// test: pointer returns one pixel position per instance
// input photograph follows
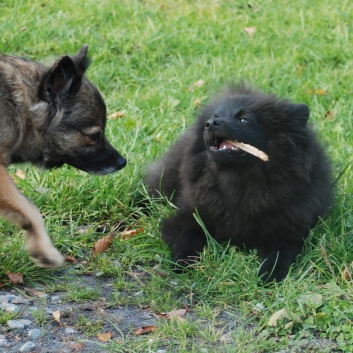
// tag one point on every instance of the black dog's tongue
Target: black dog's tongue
(225, 145)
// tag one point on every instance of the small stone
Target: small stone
(55, 298)
(16, 324)
(19, 323)
(35, 334)
(20, 301)
(33, 308)
(70, 330)
(9, 307)
(11, 297)
(28, 347)
(139, 293)
(3, 299)
(45, 296)
(3, 342)
(161, 351)
(49, 311)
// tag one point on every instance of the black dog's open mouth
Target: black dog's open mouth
(220, 144)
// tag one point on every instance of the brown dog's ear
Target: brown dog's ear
(81, 60)
(63, 82)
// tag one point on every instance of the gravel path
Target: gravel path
(36, 327)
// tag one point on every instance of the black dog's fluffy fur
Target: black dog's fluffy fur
(268, 206)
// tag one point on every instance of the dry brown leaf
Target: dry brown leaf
(176, 314)
(329, 115)
(320, 91)
(102, 244)
(20, 173)
(199, 83)
(105, 337)
(76, 347)
(276, 316)
(22, 29)
(250, 30)
(116, 115)
(197, 102)
(130, 233)
(144, 330)
(15, 278)
(71, 259)
(56, 315)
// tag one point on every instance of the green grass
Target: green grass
(146, 57)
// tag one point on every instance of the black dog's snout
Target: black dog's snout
(121, 162)
(212, 124)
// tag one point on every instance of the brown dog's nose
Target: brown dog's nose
(212, 124)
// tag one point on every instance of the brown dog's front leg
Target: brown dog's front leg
(18, 209)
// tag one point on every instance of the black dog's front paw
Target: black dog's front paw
(183, 261)
(276, 266)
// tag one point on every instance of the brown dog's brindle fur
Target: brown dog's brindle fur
(49, 116)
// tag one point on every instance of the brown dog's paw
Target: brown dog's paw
(51, 258)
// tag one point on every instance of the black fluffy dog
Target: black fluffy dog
(265, 205)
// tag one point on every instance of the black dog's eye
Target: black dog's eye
(95, 137)
(244, 121)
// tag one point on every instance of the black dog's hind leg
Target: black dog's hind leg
(277, 261)
(186, 238)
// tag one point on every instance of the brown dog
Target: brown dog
(49, 116)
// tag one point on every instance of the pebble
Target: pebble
(161, 351)
(28, 347)
(12, 297)
(9, 307)
(70, 330)
(55, 298)
(49, 311)
(20, 301)
(3, 299)
(3, 342)
(45, 296)
(19, 323)
(35, 334)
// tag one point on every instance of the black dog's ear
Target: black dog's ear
(64, 81)
(81, 60)
(298, 113)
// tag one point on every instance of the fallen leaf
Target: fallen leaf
(277, 316)
(144, 330)
(176, 314)
(22, 29)
(105, 337)
(329, 115)
(312, 300)
(71, 259)
(15, 278)
(320, 92)
(20, 173)
(130, 233)
(102, 244)
(116, 115)
(197, 102)
(250, 30)
(75, 347)
(199, 83)
(56, 315)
